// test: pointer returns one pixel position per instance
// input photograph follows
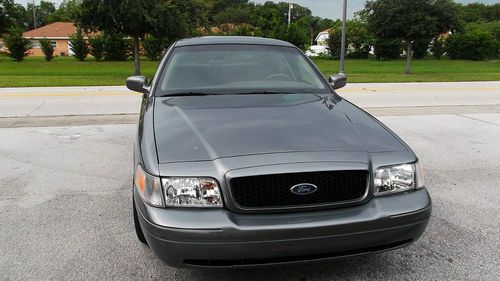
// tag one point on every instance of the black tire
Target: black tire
(138, 229)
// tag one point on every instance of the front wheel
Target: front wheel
(138, 229)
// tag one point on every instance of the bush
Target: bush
(78, 45)
(334, 42)
(96, 46)
(115, 47)
(472, 44)
(387, 49)
(420, 49)
(358, 40)
(437, 47)
(154, 46)
(245, 30)
(292, 34)
(17, 45)
(492, 27)
(47, 49)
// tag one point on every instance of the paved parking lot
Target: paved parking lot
(65, 208)
(65, 192)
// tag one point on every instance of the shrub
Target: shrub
(420, 48)
(115, 47)
(492, 27)
(472, 44)
(387, 49)
(244, 30)
(47, 49)
(17, 45)
(292, 34)
(358, 40)
(154, 46)
(437, 47)
(334, 42)
(79, 46)
(96, 46)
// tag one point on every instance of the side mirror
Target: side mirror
(338, 81)
(137, 84)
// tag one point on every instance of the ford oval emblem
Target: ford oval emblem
(303, 189)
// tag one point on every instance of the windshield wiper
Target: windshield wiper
(184, 94)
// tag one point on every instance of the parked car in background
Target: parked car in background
(246, 156)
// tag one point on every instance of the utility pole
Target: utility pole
(290, 7)
(34, 14)
(342, 45)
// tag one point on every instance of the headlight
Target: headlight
(148, 187)
(398, 178)
(191, 192)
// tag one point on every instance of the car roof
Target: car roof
(240, 40)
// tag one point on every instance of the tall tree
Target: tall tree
(409, 20)
(176, 19)
(479, 12)
(11, 15)
(312, 25)
(118, 16)
(42, 12)
(65, 12)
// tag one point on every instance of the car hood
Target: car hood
(200, 128)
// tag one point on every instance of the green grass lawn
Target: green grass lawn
(67, 71)
(425, 70)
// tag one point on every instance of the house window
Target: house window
(35, 44)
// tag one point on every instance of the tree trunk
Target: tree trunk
(409, 54)
(137, 63)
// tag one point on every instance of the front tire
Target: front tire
(137, 225)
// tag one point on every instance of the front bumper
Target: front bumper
(220, 238)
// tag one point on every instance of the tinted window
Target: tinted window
(237, 69)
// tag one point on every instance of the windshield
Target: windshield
(238, 69)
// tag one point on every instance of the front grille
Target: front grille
(271, 191)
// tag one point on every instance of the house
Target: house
(322, 37)
(57, 32)
(321, 47)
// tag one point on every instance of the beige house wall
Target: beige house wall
(62, 47)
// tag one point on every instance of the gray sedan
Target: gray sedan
(246, 156)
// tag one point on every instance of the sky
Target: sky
(322, 8)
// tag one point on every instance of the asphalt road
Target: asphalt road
(413, 97)
(65, 204)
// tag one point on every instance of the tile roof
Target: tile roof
(55, 29)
